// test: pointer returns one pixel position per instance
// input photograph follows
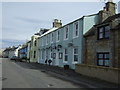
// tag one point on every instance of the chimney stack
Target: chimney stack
(57, 23)
(110, 7)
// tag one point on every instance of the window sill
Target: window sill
(103, 39)
(65, 39)
(75, 37)
(65, 62)
(58, 41)
(74, 62)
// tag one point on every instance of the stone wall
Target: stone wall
(103, 73)
(89, 50)
(117, 48)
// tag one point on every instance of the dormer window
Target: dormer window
(104, 32)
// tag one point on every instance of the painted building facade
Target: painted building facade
(34, 48)
(28, 49)
(13, 52)
(64, 45)
(22, 52)
(6, 52)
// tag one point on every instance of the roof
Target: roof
(90, 32)
(54, 29)
(109, 19)
(116, 27)
(51, 30)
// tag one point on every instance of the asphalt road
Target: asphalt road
(15, 76)
(26, 75)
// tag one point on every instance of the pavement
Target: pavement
(34, 75)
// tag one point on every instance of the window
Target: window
(51, 37)
(42, 53)
(103, 59)
(35, 43)
(58, 35)
(103, 32)
(66, 55)
(46, 39)
(42, 42)
(76, 29)
(66, 32)
(34, 54)
(75, 53)
(51, 55)
(60, 55)
(54, 55)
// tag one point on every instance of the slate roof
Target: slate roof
(90, 32)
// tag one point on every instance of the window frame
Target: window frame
(35, 43)
(75, 54)
(60, 55)
(66, 34)
(65, 56)
(104, 59)
(103, 32)
(52, 35)
(47, 40)
(42, 41)
(34, 55)
(58, 36)
(74, 29)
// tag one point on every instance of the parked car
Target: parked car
(16, 58)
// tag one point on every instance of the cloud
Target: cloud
(10, 42)
(6, 28)
(31, 20)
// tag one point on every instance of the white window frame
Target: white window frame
(46, 39)
(66, 33)
(74, 35)
(75, 62)
(64, 56)
(57, 35)
(52, 35)
(41, 41)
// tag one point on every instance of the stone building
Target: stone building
(102, 51)
(102, 43)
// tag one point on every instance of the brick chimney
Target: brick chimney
(57, 23)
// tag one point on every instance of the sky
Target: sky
(21, 20)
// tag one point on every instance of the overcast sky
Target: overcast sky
(20, 20)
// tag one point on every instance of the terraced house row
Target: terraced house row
(64, 45)
(91, 42)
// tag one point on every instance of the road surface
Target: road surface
(15, 76)
(25, 75)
